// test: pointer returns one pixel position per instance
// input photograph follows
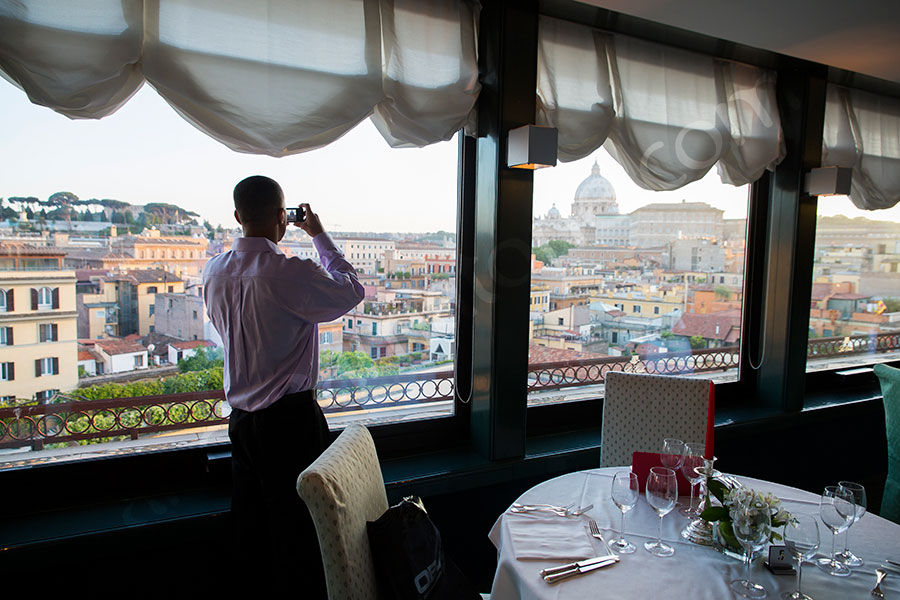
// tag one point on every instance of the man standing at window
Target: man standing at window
(266, 307)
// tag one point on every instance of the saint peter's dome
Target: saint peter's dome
(595, 187)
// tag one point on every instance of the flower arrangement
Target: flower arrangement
(730, 500)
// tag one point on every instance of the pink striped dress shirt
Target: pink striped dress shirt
(266, 307)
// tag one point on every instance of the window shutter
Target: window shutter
(9, 336)
(55, 297)
(11, 371)
(37, 367)
(42, 333)
(10, 301)
(56, 365)
(54, 330)
(34, 299)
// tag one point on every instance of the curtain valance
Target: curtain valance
(273, 77)
(862, 131)
(666, 115)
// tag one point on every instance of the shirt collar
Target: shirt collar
(255, 244)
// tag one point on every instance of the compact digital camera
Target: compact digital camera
(296, 215)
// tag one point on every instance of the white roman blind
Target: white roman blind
(272, 77)
(862, 131)
(665, 114)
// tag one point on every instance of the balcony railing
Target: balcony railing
(97, 420)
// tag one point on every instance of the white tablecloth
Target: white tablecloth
(694, 571)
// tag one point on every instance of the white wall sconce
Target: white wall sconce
(531, 147)
(828, 181)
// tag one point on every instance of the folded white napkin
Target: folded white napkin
(543, 536)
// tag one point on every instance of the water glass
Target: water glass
(837, 511)
(859, 499)
(801, 536)
(625, 492)
(662, 492)
(693, 458)
(751, 525)
(672, 455)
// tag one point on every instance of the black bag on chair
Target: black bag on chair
(409, 560)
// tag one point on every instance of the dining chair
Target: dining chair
(640, 410)
(890, 392)
(343, 489)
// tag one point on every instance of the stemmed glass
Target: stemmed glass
(837, 511)
(662, 490)
(751, 525)
(801, 536)
(693, 458)
(625, 492)
(859, 499)
(672, 455)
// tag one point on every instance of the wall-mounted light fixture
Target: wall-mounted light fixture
(531, 147)
(828, 181)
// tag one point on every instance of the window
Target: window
(6, 300)
(7, 400)
(605, 287)
(45, 395)
(374, 328)
(390, 179)
(48, 332)
(325, 337)
(139, 360)
(6, 336)
(374, 352)
(46, 366)
(855, 305)
(151, 310)
(7, 371)
(45, 298)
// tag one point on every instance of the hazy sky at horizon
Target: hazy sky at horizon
(147, 153)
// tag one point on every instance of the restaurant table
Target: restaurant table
(693, 571)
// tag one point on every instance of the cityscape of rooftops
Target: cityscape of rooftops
(105, 227)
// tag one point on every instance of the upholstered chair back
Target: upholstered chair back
(639, 411)
(343, 489)
(890, 392)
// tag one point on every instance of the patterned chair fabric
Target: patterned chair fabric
(890, 392)
(640, 411)
(343, 489)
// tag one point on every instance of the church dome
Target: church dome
(595, 187)
(553, 213)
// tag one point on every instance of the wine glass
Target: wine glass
(751, 524)
(837, 511)
(692, 458)
(801, 536)
(625, 492)
(662, 490)
(672, 455)
(859, 499)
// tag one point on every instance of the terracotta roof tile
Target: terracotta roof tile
(119, 346)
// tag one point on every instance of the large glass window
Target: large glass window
(855, 305)
(166, 204)
(628, 279)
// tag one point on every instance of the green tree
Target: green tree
(351, 362)
(722, 292)
(893, 304)
(543, 254)
(560, 247)
(697, 342)
(203, 359)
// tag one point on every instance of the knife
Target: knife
(595, 563)
(572, 565)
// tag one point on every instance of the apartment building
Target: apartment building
(38, 330)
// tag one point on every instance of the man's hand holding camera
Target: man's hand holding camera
(308, 221)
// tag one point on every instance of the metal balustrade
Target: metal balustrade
(78, 420)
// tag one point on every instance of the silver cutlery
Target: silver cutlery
(880, 575)
(580, 568)
(569, 566)
(561, 511)
(595, 532)
(890, 562)
(891, 568)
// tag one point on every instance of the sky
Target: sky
(146, 152)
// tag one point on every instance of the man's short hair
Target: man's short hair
(256, 198)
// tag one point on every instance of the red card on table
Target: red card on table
(642, 462)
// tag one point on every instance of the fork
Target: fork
(595, 532)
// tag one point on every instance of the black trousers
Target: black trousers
(276, 538)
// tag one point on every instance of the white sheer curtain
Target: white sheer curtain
(270, 77)
(666, 115)
(862, 131)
